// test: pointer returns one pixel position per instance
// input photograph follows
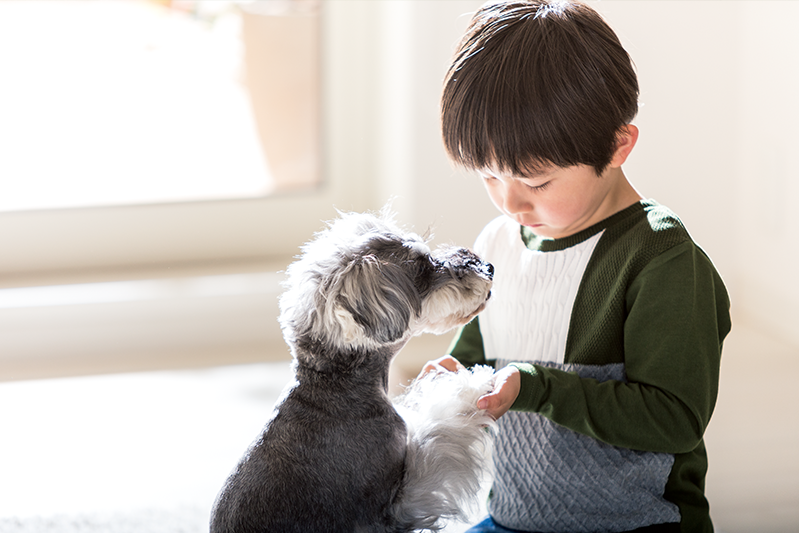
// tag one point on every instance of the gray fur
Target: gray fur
(337, 457)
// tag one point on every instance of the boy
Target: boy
(607, 320)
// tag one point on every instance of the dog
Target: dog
(338, 456)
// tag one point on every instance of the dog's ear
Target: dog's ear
(373, 300)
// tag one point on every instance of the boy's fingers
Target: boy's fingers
(492, 405)
(497, 402)
(451, 364)
(442, 364)
(446, 363)
(484, 402)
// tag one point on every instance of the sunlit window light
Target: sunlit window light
(126, 102)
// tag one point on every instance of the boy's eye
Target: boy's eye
(538, 188)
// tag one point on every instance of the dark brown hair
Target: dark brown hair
(535, 84)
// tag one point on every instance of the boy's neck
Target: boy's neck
(623, 195)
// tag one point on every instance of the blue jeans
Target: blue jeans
(489, 526)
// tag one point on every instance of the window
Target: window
(133, 140)
(114, 103)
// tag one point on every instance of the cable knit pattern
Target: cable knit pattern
(529, 283)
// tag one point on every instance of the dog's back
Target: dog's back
(326, 463)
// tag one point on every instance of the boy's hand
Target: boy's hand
(506, 388)
(446, 363)
(507, 384)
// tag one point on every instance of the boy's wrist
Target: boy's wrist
(530, 388)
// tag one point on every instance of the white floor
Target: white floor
(129, 442)
(155, 447)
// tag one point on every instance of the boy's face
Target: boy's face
(559, 202)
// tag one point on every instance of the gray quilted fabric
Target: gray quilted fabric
(579, 484)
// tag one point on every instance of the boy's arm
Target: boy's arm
(678, 317)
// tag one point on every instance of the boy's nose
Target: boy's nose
(514, 199)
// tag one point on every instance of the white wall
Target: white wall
(767, 183)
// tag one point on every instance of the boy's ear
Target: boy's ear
(625, 141)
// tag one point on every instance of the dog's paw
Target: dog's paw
(447, 394)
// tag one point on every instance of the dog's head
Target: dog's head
(364, 283)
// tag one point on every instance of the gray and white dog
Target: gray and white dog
(338, 456)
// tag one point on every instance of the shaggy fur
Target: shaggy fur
(338, 456)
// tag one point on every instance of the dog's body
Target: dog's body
(337, 456)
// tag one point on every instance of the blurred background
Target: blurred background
(162, 161)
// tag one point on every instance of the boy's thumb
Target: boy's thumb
(484, 402)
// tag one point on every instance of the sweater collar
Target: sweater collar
(544, 244)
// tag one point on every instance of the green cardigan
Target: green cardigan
(651, 303)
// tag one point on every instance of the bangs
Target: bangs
(526, 92)
(492, 124)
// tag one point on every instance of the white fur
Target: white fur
(449, 446)
(447, 309)
(418, 245)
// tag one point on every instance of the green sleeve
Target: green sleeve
(677, 318)
(467, 346)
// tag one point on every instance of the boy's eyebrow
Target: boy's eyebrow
(535, 174)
